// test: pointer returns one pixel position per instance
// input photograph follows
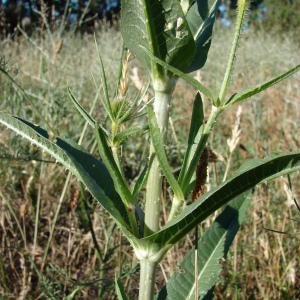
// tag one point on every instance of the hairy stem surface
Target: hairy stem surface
(147, 280)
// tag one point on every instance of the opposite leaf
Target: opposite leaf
(112, 167)
(207, 204)
(212, 248)
(186, 77)
(84, 166)
(161, 28)
(161, 155)
(201, 19)
(194, 133)
(241, 96)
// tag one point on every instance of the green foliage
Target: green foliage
(241, 12)
(247, 178)
(240, 96)
(122, 136)
(177, 33)
(194, 134)
(84, 166)
(201, 18)
(170, 38)
(91, 121)
(113, 169)
(142, 178)
(120, 290)
(161, 28)
(189, 79)
(211, 250)
(161, 155)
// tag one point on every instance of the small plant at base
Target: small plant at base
(171, 39)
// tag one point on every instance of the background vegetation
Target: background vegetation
(262, 265)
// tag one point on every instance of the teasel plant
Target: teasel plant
(170, 39)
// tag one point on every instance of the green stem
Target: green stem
(163, 91)
(242, 5)
(154, 183)
(147, 279)
(176, 206)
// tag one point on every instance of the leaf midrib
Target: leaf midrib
(206, 263)
(239, 190)
(50, 151)
(152, 37)
(195, 36)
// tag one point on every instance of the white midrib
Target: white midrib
(41, 145)
(191, 293)
(200, 28)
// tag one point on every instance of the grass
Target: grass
(263, 264)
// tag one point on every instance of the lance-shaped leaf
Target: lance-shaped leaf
(84, 166)
(241, 96)
(186, 77)
(212, 248)
(105, 99)
(244, 180)
(122, 136)
(201, 19)
(91, 121)
(194, 134)
(120, 291)
(158, 144)
(112, 167)
(161, 28)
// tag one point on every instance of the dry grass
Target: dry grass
(262, 264)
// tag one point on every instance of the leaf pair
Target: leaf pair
(97, 179)
(211, 250)
(177, 33)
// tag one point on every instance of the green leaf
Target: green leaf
(161, 28)
(112, 167)
(84, 166)
(199, 210)
(212, 248)
(122, 136)
(142, 178)
(161, 154)
(105, 100)
(194, 134)
(187, 78)
(81, 110)
(197, 150)
(91, 121)
(201, 19)
(120, 291)
(253, 91)
(185, 5)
